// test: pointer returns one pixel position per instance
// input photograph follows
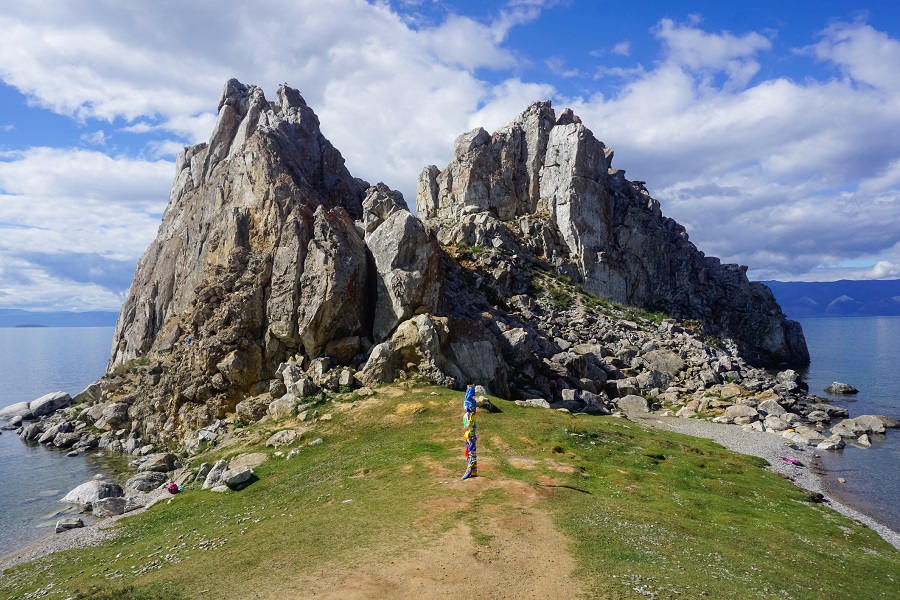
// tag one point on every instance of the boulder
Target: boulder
(818, 416)
(160, 463)
(91, 491)
(771, 408)
(113, 416)
(234, 478)
(109, 507)
(806, 436)
(147, 481)
(773, 423)
(746, 414)
(49, 403)
(533, 403)
(282, 438)
(19, 409)
(835, 412)
(832, 442)
(214, 477)
(253, 409)
(67, 523)
(283, 407)
(871, 423)
(633, 404)
(848, 428)
(249, 460)
(839, 388)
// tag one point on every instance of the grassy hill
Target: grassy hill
(565, 506)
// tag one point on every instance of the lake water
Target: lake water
(864, 352)
(33, 362)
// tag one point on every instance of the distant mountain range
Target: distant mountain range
(843, 298)
(11, 317)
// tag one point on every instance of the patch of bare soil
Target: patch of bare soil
(503, 549)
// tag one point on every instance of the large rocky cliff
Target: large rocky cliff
(551, 184)
(276, 273)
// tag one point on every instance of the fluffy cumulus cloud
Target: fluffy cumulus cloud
(790, 177)
(793, 178)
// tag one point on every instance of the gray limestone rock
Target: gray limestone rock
(771, 408)
(19, 409)
(282, 438)
(871, 423)
(803, 435)
(235, 478)
(774, 423)
(740, 411)
(49, 403)
(848, 428)
(833, 442)
(282, 408)
(146, 481)
(109, 507)
(91, 491)
(633, 403)
(533, 403)
(214, 477)
(839, 388)
(67, 523)
(253, 409)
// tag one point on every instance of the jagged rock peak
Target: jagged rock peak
(551, 181)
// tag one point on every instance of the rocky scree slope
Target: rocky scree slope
(276, 274)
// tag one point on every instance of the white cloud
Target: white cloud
(64, 211)
(622, 49)
(783, 176)
(97, 138)
(862, 53)
(707, 53)
(557, 66)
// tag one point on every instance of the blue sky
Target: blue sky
(771, 129)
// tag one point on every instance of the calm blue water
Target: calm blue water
(33, 362)
(864, 352)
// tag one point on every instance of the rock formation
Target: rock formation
(276, 274)
(551, 184)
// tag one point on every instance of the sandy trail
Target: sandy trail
(494, 552)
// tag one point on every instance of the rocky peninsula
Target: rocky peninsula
(533, 268)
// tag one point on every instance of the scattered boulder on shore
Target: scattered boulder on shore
(90, 492)
(19, 409)
(49, 403)
(67, 523)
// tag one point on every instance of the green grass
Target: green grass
(647, 512)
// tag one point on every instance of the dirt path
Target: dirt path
(503, 549)
(516, 554)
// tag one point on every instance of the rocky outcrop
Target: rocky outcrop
(276, 276)
(269, 251)
(551, 184)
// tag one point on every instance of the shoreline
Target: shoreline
(770, 447)
(94, 532)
